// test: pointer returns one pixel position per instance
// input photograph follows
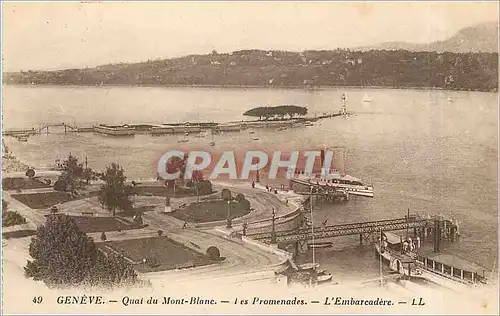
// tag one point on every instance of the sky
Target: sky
(56, 35)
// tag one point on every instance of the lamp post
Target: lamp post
(229, 225)
(273, 231)
(245, 225)
(312, 223)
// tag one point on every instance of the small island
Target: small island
(280, 112)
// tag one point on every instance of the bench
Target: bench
(88, 213)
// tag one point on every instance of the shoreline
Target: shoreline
(246, 87)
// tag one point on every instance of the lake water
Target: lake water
(419, 149)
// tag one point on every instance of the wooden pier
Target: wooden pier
(46, 129)
(424, 228)
(164, 128)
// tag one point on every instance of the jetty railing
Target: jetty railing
(449, 271)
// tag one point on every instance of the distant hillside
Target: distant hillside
(397, 69)
(478, 38)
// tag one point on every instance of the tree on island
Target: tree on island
(64, 256)
(280, 111)
(114, 192)
(74, 176)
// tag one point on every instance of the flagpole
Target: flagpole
(407, 223)
(380, 259)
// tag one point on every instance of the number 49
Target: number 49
(37, 299)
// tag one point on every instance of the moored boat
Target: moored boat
(23, 138)
(411, 264)
(326, 244)
(389, 248)
(346, 183)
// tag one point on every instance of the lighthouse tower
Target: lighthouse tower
(343, 108)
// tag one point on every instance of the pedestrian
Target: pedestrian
(286, 201)
(267, 187)
(253, 184)
(418, 242)
(184, 226)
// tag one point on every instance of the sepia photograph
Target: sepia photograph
(250, 157)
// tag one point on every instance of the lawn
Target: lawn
(90, 224)
(135, 211)
(19, 233)
(44, 200)
(157, 190)
(161, 253)
(23, 184)
(209, 211)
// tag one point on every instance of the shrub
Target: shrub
(240, 197)
(30, 173)
(190, 184)
(11, 218)
(204, 187)
(226, 194)
(246, 204)
(160, 232)
(60, 185)
(213, 253)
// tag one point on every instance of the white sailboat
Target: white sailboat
(367, 99)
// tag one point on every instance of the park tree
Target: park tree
(72, 177)
(173, 165)
(197, 177)
(89, 175)
(239, 197)
(64, 256)
(114, 192)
